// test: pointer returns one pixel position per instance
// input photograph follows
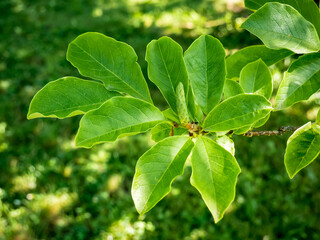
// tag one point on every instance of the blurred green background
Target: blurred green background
(50, 190)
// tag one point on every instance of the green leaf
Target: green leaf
(67, 97)
(171, 115)
(227, 143)
(237, 112)
(241, 58)
(318, 118)
(242, 130)
(256, 78)
(281, 26)
(261, 122)
(112, 62)
(307, 8)
(163, 130)
(156, 170)
(300, 81)
(232, 88)
(214, 175)
(205, 62)
(302, 148)
(166, 68)
(195, 112)
(118, 117)
(182, 104)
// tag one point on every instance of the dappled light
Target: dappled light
(51, 189)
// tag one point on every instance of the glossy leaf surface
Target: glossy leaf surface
(241, 58)
(261, 122)
(307, 8)
(227, 143)
(237, 112)
(318, 118)
(195, 112)
(118, 117)
(156, 170)
(300, 81)
(214, 175)
(163, 130)
(205, 61)
(231, 88)
(171, 115)
(281, 26)
(67, 97)
(302, 148)
(112, 62)
(166, 68)
(256, 78)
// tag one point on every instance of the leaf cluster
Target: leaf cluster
(209, 97)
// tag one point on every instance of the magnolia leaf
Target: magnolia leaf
(195, 112)
(256, 78)
(318, 118)
(118, 117)
(112, 62)
(205, 61)
(156, 170)
(307, 8)
(294, 33)
(214, 175)
(171, 115)
(300, 81)
(303, 147)
(67, 97)
(242, 130)
(261, 122)
(227, 143)
(237, 112)
(164, 130)
(241, 58)
(166, 68)
(231, 88)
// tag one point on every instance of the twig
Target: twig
(280, 131)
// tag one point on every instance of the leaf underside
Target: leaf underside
(303, 147)
(300, 81)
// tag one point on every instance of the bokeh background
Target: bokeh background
(51, 190)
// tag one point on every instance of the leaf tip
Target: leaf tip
(291, 174)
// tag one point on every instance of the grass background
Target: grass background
(50, 190)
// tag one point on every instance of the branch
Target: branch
(280, 131)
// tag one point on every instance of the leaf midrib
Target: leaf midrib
(103, 66)
(291, 36)
(238, 117)
(118, 129)
(300, 86)
(211, 172)
(151, 192)
(303, 158)
(167, 71)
